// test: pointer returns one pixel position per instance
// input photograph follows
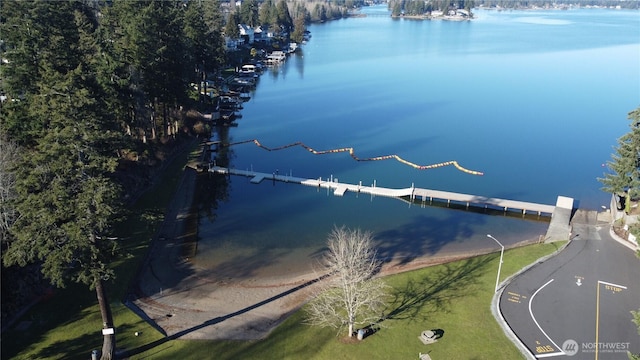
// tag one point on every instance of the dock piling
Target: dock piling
(406, 194)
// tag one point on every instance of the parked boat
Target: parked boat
(276, 58)
(228, 102)
(243, 81)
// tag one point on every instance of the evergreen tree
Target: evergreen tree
(215, 25)
(319, 13)
(196, 42)
(397, 9)
(301, 11)
(164, 65)
(268, 14)
(203, 43)
(66, 196)
(249, 13)
(123, 52)
(231, 28)
(284, 17)
(298, 30)
(624, 178)
(30, 40)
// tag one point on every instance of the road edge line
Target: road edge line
(497, 312)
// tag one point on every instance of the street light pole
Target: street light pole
(500, 264)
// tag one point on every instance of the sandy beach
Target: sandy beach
(184, 301)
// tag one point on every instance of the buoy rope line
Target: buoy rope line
(352, 153)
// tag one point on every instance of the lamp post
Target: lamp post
(500, 264)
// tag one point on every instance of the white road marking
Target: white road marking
(550, 355)
(539, 327)
(611, 284)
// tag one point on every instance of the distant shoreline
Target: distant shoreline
(470, 17)
(436, 17)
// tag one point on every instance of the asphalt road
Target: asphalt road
(577, 304)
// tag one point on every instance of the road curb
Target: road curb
(497, 312)
(622, 241)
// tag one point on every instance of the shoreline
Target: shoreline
(185, 301)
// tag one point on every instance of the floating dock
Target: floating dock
(411, 194)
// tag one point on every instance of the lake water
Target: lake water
(533, 99)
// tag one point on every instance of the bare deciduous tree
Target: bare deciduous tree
(9, 153)
(350, 296)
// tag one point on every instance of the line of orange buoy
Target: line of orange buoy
(352, 153)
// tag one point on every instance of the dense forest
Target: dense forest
(95, 96)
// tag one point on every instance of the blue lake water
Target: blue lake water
(533, 99)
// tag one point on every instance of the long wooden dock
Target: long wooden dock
(411, 193)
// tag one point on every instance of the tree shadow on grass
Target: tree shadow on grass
(434, 293)
(75, 348)
(79, 347)
(63, 308)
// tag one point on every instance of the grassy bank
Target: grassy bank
(454, 298)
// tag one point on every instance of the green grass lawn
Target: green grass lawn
(454, 298)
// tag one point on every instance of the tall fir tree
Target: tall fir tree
(197, 46)
(231, 29)
(215, 26)
(284, 17)
(66, 197)
(267, 15)
(161, 49)
(119, 73)
(624, 176)
(249, 13)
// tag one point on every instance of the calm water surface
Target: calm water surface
(534, 99)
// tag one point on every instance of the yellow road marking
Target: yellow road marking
(609, 286)
(597, 316)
